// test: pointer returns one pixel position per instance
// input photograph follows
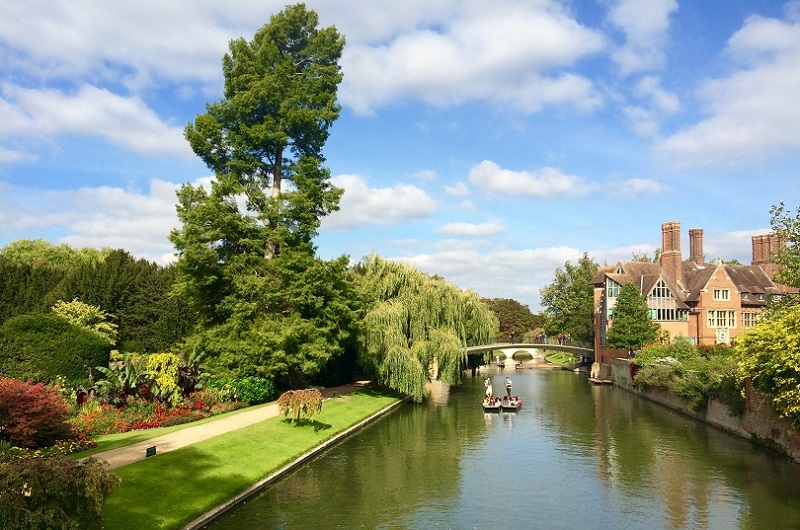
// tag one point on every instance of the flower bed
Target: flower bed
(96, 419)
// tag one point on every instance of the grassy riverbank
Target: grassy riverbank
(176, 487)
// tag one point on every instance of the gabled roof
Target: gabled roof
(600, 276)
(751, 279)
(696, 278)
(747, 279)
(644, 275)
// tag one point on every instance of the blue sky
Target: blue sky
(487, 142)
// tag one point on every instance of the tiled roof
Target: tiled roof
(644, 275)
(751, 279)
(695, 278)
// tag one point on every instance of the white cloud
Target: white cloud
(645, 24)
(505, 52)
(425, 174)
(471, 229)
(635, 187)
(117, 218)
(650, 87)
(91, 111)
(549, 182)
(657, 103)
(136, 221)
(361, 204)
(131, 42)
(495, 272)
(458, 189)
(546, 182)
(731, 245)
(753, 112)
(11, 155)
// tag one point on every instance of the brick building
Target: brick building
(708, 303)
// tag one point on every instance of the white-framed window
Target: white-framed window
(661, 290)
(745, 296)
(612, 288)
(721, 319)
(749, 319)
(722, 294)
(669, 314)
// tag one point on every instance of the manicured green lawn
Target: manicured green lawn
(560, 358)
(176, 487)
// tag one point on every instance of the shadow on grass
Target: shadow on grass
(157, 493)
(305, 422)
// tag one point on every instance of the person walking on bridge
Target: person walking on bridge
(508, 386)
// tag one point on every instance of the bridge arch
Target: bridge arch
(505, 346)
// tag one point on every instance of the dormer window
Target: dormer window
(760, 297)
(745, 296)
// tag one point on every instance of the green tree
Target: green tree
(285, 323)
(246, 263)
(569, 300)
(515, 319)
(264, 139)
(25, 288)
(88, 317)
(632, 326)
(787, 228)
(137, 293)
(769, 355)
(417, 327)
(38, 252)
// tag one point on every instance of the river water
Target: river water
(576, 456)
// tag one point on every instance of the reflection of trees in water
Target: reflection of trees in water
(381, 474)
(684, 467)
(656, 463)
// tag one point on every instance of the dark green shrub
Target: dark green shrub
(43, 346)
(254, 390)
(55, 493)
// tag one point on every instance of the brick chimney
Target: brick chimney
(765, 246)
(671, 257)
(696, 246)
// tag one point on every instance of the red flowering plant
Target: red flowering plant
(34, 422)
(96, 418)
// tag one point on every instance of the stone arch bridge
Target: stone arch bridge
(507, 347)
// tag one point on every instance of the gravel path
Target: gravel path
(175, 440)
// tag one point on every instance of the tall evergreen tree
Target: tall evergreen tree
(246, 259)
(632, 326)
(264, 140)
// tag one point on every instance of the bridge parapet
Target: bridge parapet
(504, 346)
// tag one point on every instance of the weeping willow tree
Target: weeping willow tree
(417, 327)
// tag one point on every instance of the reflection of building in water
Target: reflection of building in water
(438, 392)
(630, 452)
